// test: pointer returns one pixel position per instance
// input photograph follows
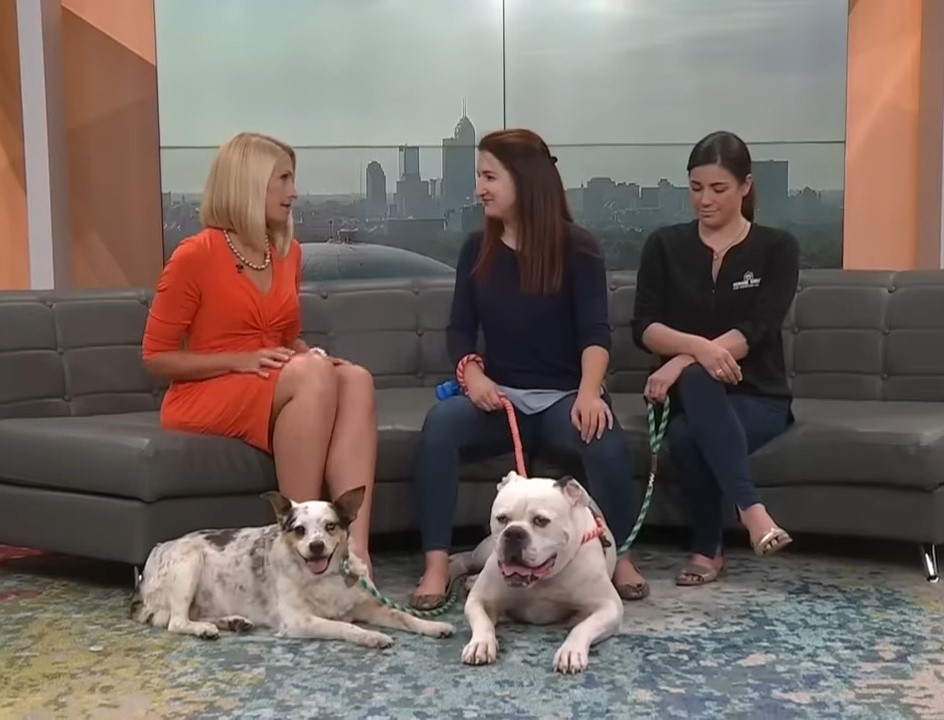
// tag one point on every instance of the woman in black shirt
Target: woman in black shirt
(535, 285)
(711, 296)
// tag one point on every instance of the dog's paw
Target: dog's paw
(202, 630)
(206, 631)
(375, 640)
(480, 651)
(439, 630)
(235, 623)
(571, 658)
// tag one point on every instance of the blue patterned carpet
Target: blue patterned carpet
(788, 637)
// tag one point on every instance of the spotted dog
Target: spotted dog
(284, 577)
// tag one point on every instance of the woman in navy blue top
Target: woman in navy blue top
(711, 296)
(535, 284)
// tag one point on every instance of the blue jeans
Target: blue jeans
(456, 430)
(709, 443)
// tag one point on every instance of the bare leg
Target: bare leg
(352, 454)
(303, 412)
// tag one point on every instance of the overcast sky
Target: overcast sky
(390, 72)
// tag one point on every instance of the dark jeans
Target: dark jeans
(455, 429)
(709, 443)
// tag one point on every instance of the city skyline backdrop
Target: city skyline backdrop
(354, 78)
(385, 100)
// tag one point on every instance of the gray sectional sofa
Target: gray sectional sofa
(85, 468)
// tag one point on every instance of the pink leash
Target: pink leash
(599, 531)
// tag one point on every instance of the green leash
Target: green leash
(656, 434)
(451, 594)
(655, 444)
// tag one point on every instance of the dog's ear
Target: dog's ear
(347, 505)
(573, 491)
(510, 477)
(280, 504)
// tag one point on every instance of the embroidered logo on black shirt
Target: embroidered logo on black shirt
(748, 281)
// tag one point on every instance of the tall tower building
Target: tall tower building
(458, 165)
(376, 190)
(409, 162)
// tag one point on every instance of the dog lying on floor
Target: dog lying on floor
(549, 559)
(284, 577)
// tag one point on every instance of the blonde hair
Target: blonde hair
(235, 193)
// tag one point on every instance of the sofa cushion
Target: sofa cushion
(127, 455)
(855, 442)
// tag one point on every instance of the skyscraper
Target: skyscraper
(458, 165)
(376, 190)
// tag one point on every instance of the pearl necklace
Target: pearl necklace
(244, 260)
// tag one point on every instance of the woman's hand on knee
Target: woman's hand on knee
(591, 416)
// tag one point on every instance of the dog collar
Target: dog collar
(598, 532)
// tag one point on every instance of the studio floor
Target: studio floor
(800, 635)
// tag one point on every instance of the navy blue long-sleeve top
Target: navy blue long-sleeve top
(531, 341)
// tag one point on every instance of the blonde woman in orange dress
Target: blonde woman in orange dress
(224, 329)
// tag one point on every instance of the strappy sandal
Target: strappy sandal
(696, 574)
(772, 541)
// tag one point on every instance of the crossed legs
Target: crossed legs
(324, 427)
(710, 444)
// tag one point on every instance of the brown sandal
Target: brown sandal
(428, 601)
(633, 591)
(696, 574)
(636, 591)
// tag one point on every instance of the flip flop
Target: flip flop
(696, 574)
(772, 541)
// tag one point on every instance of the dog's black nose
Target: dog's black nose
(316, 547)
(516, 535)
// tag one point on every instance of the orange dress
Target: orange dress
(204, 300)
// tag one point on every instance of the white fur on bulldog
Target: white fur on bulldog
(535, 568)
(283, 577)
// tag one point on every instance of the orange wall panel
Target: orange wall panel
(14, 243)
(112, 135)
(882, 141)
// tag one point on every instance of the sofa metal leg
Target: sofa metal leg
(137, 576)
(929, 560)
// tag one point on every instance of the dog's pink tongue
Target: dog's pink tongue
(516, 570)
(318, 566)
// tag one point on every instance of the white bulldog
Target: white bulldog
(549, 559)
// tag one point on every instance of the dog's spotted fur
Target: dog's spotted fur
(283, 577)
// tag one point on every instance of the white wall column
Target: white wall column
(39, 28)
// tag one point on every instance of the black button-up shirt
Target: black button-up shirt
(756, 285)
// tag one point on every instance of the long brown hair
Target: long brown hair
(541, 207)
